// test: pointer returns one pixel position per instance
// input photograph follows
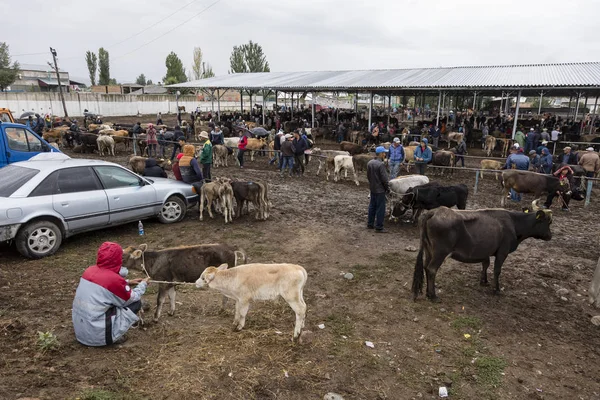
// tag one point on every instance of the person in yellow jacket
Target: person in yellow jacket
(206, 156)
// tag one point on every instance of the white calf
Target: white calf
(400, 185)
(227, 199)
(345, 163)
(219, 155)
(106, 143)
(258, 282)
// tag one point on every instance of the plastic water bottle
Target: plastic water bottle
(141, 228)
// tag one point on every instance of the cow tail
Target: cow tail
(239, 255)
(419, 274)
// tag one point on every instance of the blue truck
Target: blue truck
(19, 143)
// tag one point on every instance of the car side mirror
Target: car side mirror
(45, 148)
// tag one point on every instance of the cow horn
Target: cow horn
(534, 205)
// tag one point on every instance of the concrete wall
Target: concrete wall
(109, 104)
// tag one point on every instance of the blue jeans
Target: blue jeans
(376, 211)
(394, 169)
(514, 196)
(340, 137)
(460, 158)
(287, 162)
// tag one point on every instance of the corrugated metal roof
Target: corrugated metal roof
(506, 76)
(49, 82)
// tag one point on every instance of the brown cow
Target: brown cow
(454, 137)
(489, 164)
(138, 163)
(220, 153)
(490, 145)
(351, 148)
(179, 264)
(528, 182)
(361, 161)
(255, 145)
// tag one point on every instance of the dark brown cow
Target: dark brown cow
(179, 264)
(473, 237)
(252, 192)
(528, 182)
(443, 158)
(138, 163)
(361, 161)
(351, 148)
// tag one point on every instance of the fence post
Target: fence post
(134, 148)
(476, 181)
(588, 193)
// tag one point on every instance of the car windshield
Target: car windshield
(13, 177)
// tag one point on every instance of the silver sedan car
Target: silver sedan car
(43, 202)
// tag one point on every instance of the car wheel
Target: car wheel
(38, 239)
(173, 210)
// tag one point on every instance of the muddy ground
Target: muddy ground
(526, 343)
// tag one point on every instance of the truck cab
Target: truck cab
(19, 143)
(6, 115)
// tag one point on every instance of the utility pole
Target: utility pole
(62, 96)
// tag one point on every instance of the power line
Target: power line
(170, 30)
(150, 26)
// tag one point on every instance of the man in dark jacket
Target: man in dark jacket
(287, 154)
(177, 136)
(137, 129)
(379, 186)
(569, 157)
(153, 169)
(300, 146)
(38, 127)
(277, 148)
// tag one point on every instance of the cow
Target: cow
(259, 282)
(360, 162)
(55, 134)
(106, 144)
(210, 192)
(178, 264)
(473, 237)
(489, 164)
(400, 185)
(87, 140)
(430, 196)
(454, 137)
(594, 292)
(138, 163)
(355, 136)
(220, 153)
(490, 145)
(343, 163)
(321, 132)
(443, 158)
(255, 145)
(227, 200)
(249, 192)
(528, 182)
(409, 154)
(506, 145)
(121, 136)
(351, 148)
(326, 157)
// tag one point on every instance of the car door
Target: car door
(129, 196)
(78, 197)
(22, 144)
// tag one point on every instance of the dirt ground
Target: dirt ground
(526, 343)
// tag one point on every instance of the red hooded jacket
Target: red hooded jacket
(106, 271)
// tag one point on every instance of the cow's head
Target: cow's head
(405, 204)
(541, 226)
(208, 275)
(132, 256)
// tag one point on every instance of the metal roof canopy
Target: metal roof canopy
(559, 79)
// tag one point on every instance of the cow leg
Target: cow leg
(431, 271)
(160, 300)
(201, 206)
(355, 177)
(209, 202)
(485, 265)
(171, 293)
(299, 306)
(498, 261)
(241, 311)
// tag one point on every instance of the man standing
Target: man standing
(520, 162)
(178, 137)
(554, 134)
(216, 136)
(546, 162)
(396, 157)
(530, 142)
(435, 134)
(520, 137)
(590, 161)
(206, 157)
(461, 150)
(287, 154)
(299, 147)
(422, 156)
(379, 186)
(277, 150)
(242, 149)
(569, 157)
(105, 306)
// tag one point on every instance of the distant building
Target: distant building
(42, 78)
(151, 89)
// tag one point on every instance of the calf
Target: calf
(430, 196)
(454, 137)
(490, 145)
(87, 140)
(106, 144)
(400, 185)
(361, 161)
(248, 192)
(220, 153)
(210, 192)
(443, 158)
(528, 182)
(227, 200)
(489, 164)
(473, 237)
(258, 282)
(328, 159)
(343, 163)
(351, 148)
(178, 264)
(255, 145)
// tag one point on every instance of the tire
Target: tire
(173, 210)
(38, 239)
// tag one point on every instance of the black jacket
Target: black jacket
(152, 169)
(299, 146)
(377, 176)
(287, 149)
(137, 129)
(178, 134)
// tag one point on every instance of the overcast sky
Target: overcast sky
(304, 35)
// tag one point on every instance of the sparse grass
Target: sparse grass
(467, 322)
(390, 260)
(99, 394)
(489, 370)
(361, 271)
(341, 325)
(47, 341)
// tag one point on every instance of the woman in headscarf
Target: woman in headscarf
(152, 140)
(189, 168)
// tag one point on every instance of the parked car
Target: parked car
(45, 201)
(19, 143)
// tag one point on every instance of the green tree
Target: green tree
(248, 57)
(8, 73)
(141, 80)
(104, 65)
(113, 81)
(207, 71)
(92, 64)
(149, 82)
(197, 63)
(535, 104)
(175, 70)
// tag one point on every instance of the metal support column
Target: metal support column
(569, 111)
(292, 106)
(583, 114)
(437, 122)
(218, 106)
(337, 108)
(501, 100)
(540, 106)
(577, 107)
(474, 100)
(389, 108)
(423, 107)
(313, 110)
(514, 130)
(593, 115)
(263, 107)
(370, 112)
(242, 101)
(212, 103)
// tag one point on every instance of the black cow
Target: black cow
(443, 158)
(87, 141)
(473, 237)
(430, 196)
(251, 192)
